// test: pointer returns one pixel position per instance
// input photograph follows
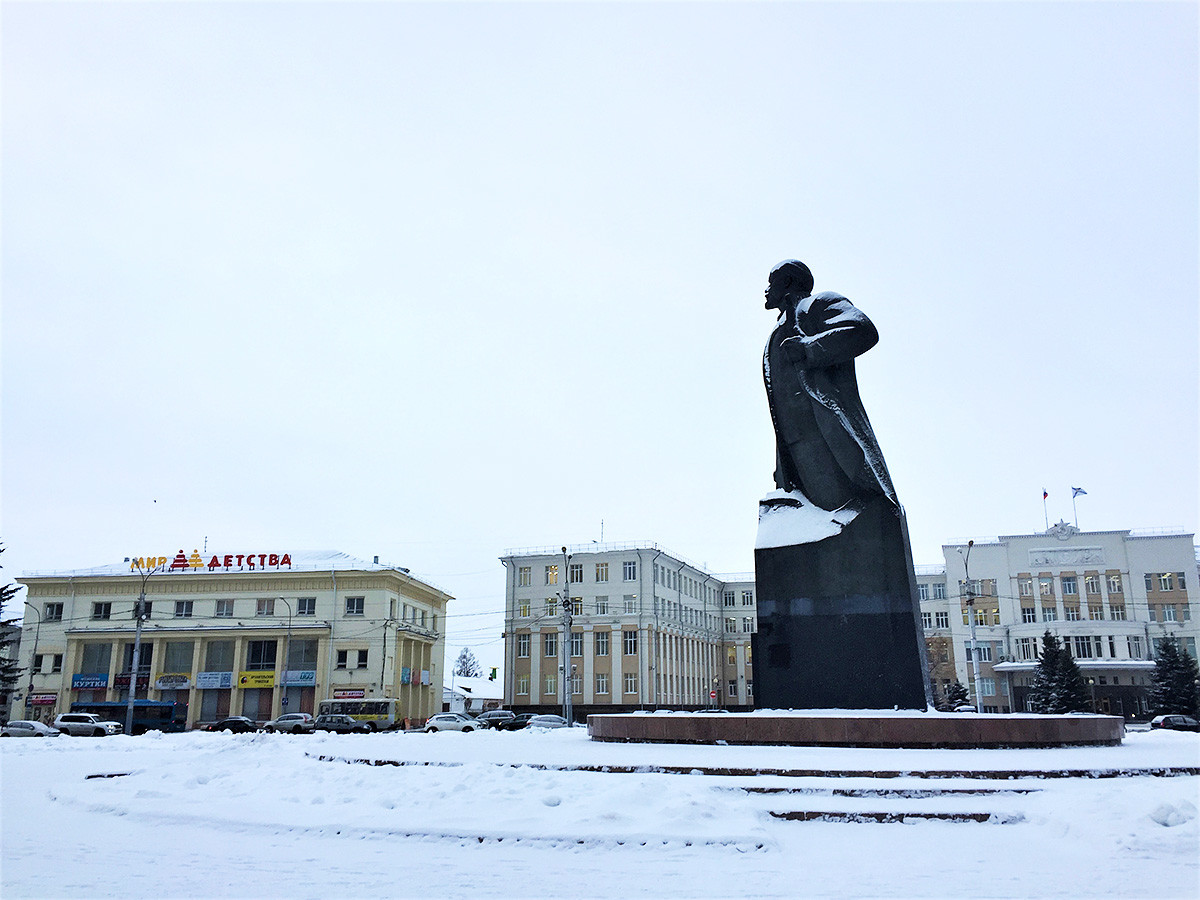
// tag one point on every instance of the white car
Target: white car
(451, 722)
(26, 728)
(88, 724)
(292, 723)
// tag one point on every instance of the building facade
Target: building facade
(235, 634)
(1110, 597)
(624, 627)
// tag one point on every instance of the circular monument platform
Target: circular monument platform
(869, 728)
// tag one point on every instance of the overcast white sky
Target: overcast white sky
(431, 281)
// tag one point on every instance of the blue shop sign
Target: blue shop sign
(301, 678)
(89, 681)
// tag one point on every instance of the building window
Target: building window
(1082, 646)
(307, 606)
(549, 644)
(524, 577)
(1049, 614)
(939, 590)
(730, 598)
(260, 656)
(522, 646)
(1025, 587)
(266, 607)
(1169, 614)
(576, 606)
(1026, 648)
(551, 575)
(629, 642)
(747, 624)
(1028, 614)
(731, 624)
(224, 609)
(354, 606)
(576, 684)
(629, 570)
(550, 684)
(1096, 612)
(941, 620)
(576, 644)
(362, 658)
(927, 620)
(731, 688)
(522, 684)
(523, 609)
(1072, 613)
(601, 682)
(602, 606)
(342, 656)
(1182, 580)
(630, 604)
(1091, 584)
(1166, 581)
(631, 684)
(575, 573)
(1134, 643)
(1117, 611)
(101, 610)
(1046, 586)
(922, 592)
(747, 598)
(183, 609)
(601, 640)
(983, 652)
(1070, 585)
(601, 572)
(52, 612)
(1114, 584)
(987, 686)
(550, 607)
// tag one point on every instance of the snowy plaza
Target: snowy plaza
(528, 814)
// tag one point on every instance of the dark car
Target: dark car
(495, 718)
(235, 724)
(517, 722)
(342, 724)
(1175, 723)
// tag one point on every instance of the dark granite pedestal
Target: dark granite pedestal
(839, 619)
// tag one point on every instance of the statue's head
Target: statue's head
(790, 281)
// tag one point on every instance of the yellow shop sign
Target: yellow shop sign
(256, 679)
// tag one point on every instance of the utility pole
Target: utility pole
(37, 633)
(135, 663)
(565, 648)
(971, 613)
(287, 656)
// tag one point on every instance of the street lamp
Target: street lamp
(565, 650)
(971, 613)
(37, 632)
(135, 663)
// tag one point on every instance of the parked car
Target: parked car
(1175, 723)
(234, 724)
(342, 724)
(547, 721)
(517, 722)
(26, 728)
(292, 723)
(451, 722)
(88, 724)
(495, 718)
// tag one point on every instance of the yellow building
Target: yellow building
(254, 634)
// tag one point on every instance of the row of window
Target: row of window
(731, 596)
(225, 609)
(550, 683)
(575, 573)
(218, 657)
(670, 609)
(629, 643)
(1165, 581)
(1068, 584)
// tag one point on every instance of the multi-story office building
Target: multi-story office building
(1110, 597)
(236, 634)
(624, 627)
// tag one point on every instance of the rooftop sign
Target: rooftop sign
(182, 563)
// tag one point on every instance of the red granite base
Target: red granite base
(865, 729)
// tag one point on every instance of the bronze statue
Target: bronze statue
(825, 448)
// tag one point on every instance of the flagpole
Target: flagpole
(1073, 509)
(1044, 511)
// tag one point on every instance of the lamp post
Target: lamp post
(971, 613)
(565, 649)
(287, 655)
(37, 633)
(135, 663)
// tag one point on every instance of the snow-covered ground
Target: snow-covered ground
(216, 815)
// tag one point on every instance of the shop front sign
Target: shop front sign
(256, 679)
(173, 682)
(122, 681)
(214, 681)
(349, 694)
(300, 678)
(43, 699)
(90, 681)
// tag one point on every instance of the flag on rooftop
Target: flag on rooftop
(1075, 492)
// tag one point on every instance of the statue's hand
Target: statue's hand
(796, 352)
